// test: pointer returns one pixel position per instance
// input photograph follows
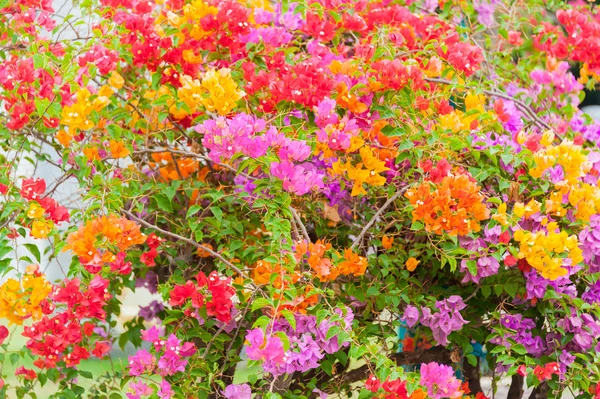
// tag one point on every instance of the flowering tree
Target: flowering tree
(297, 181)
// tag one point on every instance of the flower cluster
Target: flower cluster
(454, 206)
(394, 389)
(443, 322)
(43, 210)
(308, 343)
(217, 92)
(540, 250)
(96, 242)
(27, 298)
(440, 381)
(323, 267)
(64, 337)
(172, 355)
(213, 293)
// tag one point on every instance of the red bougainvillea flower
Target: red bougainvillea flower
(3, 334)
(26, 373)
(32, 188)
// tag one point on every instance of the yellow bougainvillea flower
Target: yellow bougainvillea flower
(190, 92)
(500, 215)
(116, 80)
(118, 149)
(192, 14)
(35, 210)
(223, 92)
(544, 251)
(20, 300)
(411, 264)
(41, 228)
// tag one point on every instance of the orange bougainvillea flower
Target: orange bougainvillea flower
(204, 253)
(455, 205)
(64, 138)
(263, 272)
(387, 242)
(171, 168)
(352, 264)
(91, 153)
(323, 267)
(349, 101)
(118, 149)
(96, 237)
(411, 264)
(418, 394)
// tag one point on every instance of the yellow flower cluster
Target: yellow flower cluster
(458, 120)
(76, 116)
(216, 92)
(539, 249)
(193, 13)
(189, 22)
(366, 171)
(21, 299)
(584, 197)
(567, 155)
(41, 227)
(585, 74)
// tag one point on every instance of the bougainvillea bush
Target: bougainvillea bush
(297, 181)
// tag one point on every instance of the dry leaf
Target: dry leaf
(331, 213)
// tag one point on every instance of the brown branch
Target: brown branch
(302, 227)
(521, 105)
(374, 218)
(191, 242)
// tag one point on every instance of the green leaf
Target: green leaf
(34, 250)
(260, 303)
(472, 266)
(332, 332)
(452, 262)
(472, 359)
(39, 61)
(217, 212)
(164, 203)
(289, 316)
(192, 211)
(520, 349)
(511, 289)
(486, 290)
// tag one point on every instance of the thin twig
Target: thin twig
(302, 227)
(374, 218)
(191, 242)
(523, 107)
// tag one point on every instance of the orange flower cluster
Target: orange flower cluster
(455, 205)
(323, 267)
(20, 300)
(171, 168)
(107, 233)
(263, 272)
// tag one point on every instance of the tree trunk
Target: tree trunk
(516, 387)
(472, 376)
(540, 392)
